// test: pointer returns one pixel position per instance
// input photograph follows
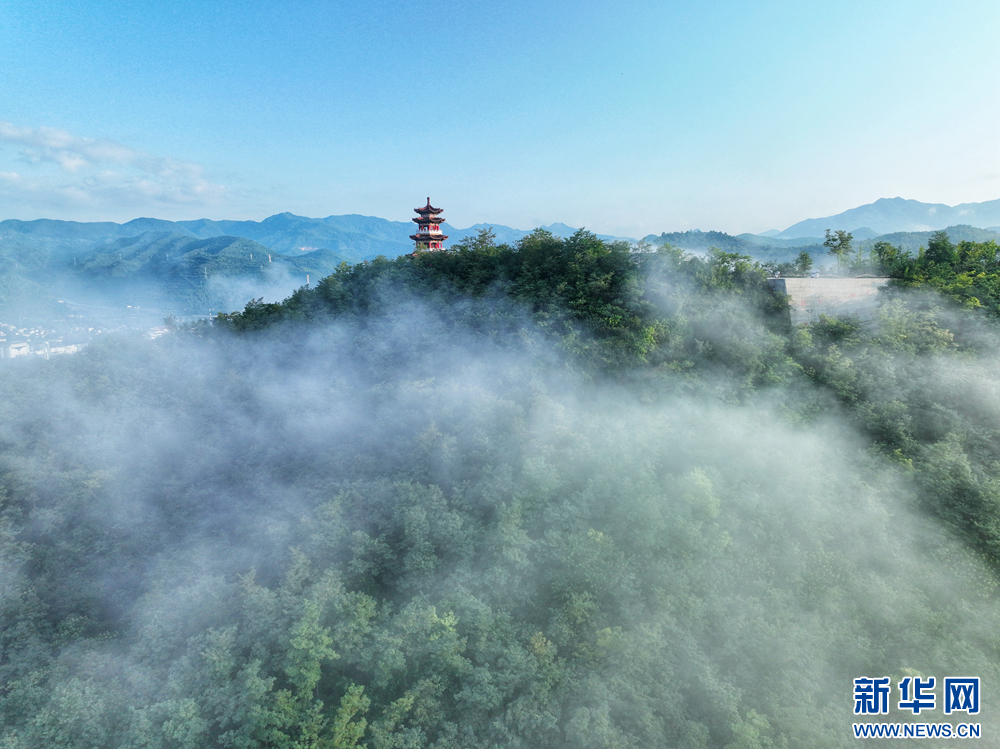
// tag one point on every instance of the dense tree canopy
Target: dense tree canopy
(557, 494)
(968, 273)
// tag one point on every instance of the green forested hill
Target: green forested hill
(79, 261)
(556, 494)
(761, 248)
(174, 270)
(703, 240)
(913, 241)
(158, 269)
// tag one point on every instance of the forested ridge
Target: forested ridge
(562, 493)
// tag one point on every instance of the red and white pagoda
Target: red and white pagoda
(428, 236)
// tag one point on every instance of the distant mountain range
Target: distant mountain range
(780, 250)
(905, 223)
(193, 266)
(888, 215)
(352, 238)
(207, 265)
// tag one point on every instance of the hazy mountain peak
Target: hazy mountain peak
(889, 215)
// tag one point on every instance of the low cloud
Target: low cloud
(97, 175)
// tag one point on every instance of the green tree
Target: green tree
(940, 250)
(887, 257)
(839, 244)
(484, 241)
(803, 263)
(347, 732)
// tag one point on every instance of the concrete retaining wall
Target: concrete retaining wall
(811, 297)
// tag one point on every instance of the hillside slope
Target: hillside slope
(557, 494)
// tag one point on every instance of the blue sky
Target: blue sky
(626, 118)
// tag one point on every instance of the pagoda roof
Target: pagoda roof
(428, 208)
(425, 220)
